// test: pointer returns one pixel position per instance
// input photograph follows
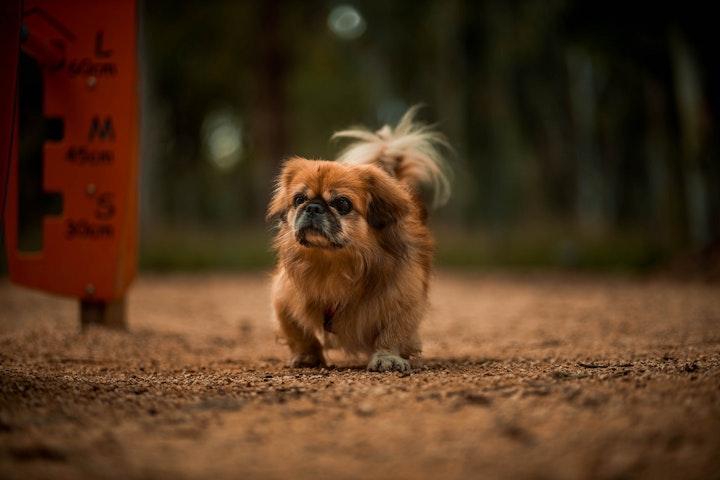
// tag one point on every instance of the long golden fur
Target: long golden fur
(354, 251)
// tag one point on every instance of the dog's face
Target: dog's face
(328, 205)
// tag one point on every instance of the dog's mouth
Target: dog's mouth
(313, 237)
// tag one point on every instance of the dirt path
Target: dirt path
(534, 376)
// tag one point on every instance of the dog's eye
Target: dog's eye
(342, 205)
(299, 199)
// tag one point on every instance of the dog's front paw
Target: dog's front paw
(387, 362)
(306, 360)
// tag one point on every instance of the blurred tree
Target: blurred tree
(564, 115)
(659, 112)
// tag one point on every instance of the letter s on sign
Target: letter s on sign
(105, 206)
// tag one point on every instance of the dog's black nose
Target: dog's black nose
(315, 208)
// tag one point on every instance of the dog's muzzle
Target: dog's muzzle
(315, 218)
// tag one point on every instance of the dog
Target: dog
(354, 250)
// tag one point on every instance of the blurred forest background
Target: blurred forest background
(584, 133)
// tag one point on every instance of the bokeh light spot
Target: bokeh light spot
(222, 138)
(346, 22)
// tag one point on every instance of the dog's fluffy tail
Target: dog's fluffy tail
(411, 152)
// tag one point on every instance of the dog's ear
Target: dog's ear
(275, 212)
(280, 203)
(388, 201)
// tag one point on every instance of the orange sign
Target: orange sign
(89, 73)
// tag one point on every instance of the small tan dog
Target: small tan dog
(354, 251)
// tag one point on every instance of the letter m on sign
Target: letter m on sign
(101, 129)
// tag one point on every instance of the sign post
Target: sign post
(10, 15)
(87, 54)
